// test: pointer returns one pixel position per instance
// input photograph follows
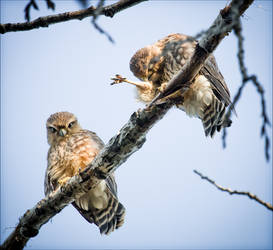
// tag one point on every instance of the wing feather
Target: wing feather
(212, 73)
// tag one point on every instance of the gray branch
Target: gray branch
(130, 138)
(40, 22)
(228, 190)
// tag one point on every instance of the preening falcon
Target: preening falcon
(71, 150)
(207, 96)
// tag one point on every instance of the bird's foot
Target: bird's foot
(140, 85)
(118, 79)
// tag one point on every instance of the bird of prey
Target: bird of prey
(71, 150)
(206, 97)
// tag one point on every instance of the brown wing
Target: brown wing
(177, 49)
(49, 185)
(111, 216)
(213, 74)
(79, 150)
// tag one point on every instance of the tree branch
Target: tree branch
(129, 139)
(260, 90)
(109, 11)
(221, 27)
(228, 190)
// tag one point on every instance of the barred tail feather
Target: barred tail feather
(214, 117)
(111, 217)
(107, 219)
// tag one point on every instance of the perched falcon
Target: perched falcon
(156, 64)
(71, 150)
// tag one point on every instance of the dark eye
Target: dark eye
(52, 130)
(71, 124)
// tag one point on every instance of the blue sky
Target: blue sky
(68, 66)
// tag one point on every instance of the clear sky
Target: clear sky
(68, 66)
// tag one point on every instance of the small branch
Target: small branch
(109, 11)
(33, 4)
(260, 90)
(99, 9)
(228, 190)
(50, 4)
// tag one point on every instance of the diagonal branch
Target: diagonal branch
(129, 139)
(221, 27)
(228, 190)
(40, 22)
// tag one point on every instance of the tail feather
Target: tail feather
(107, 219)
(120, 214)
(214, 117)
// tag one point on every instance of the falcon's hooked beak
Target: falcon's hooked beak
(62, 132)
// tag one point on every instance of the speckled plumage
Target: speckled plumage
(71, 150)
(208, 95)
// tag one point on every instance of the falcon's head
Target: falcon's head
(61, 125)
(146, 62)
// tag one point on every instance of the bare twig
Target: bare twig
(228, 190)
(32, 3)
(109, 11)
(98, 10)
(50, 4)
(260, 90)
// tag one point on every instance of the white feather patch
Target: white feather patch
(95, 198)
(197, 97)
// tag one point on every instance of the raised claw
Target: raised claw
(118, 79)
